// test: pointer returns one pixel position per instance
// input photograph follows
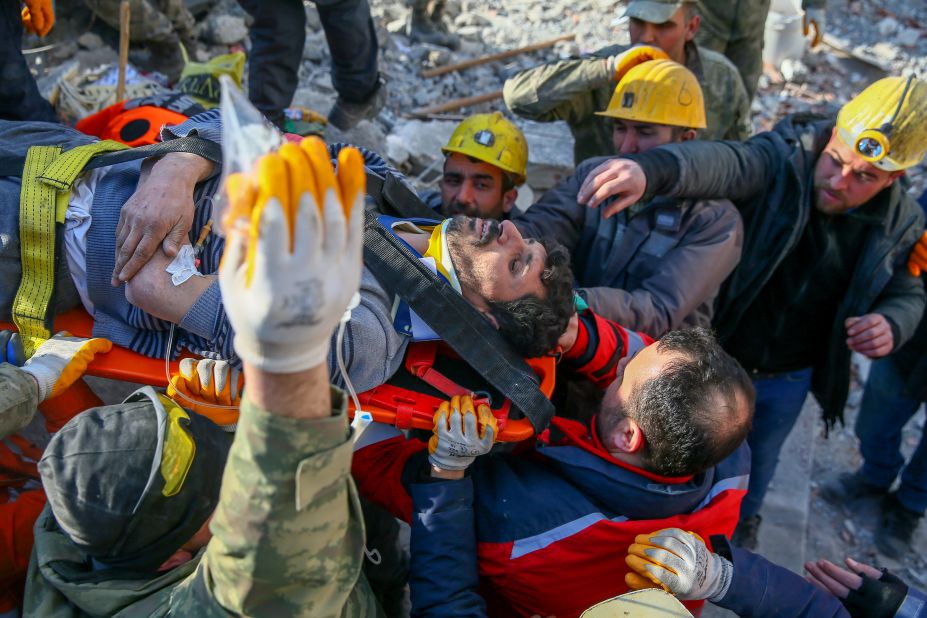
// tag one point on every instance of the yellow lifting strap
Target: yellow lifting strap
(48, 175)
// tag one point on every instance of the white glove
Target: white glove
(816, 18)
(680, 562)
(461, 434)
(292, 262)
(61, 361)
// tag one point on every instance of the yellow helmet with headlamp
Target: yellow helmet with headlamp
(886, 124)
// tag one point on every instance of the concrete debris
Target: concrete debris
(890, 33)
(909, 37)
(793, 70)
(226, 30)
(90, 40)
(888, 26)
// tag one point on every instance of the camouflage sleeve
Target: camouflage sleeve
(742, 128)
(559, 90)
(288, 531)
(18, 399)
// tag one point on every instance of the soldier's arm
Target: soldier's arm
(288, 533)
(560, 90)
(814, 4)
(18, 399)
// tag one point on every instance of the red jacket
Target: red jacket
(554, 522)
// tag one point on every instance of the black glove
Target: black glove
(879, 598)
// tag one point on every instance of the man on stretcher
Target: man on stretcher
(136, 252)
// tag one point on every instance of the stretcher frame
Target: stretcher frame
(386, 403)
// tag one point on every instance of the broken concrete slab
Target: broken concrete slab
(550, 152)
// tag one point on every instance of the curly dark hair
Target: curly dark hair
(533, 325)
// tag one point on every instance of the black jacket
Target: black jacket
(769, 179)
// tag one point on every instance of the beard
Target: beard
(464, 241)
(463, 231)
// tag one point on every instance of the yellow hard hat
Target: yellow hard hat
(659, 92)
(494, 139)
(887, 123)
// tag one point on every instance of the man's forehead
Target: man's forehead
(457, 163)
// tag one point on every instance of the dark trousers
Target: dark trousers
(779, 400)
(278, 36)
(19, 96)
(887, 406)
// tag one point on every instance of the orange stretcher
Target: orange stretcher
(405, 408)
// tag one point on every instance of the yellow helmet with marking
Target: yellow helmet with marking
(887, 123)
(494, 139)
(659, 92)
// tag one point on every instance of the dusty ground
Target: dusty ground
(834, 532)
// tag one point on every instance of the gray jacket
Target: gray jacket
(653, 268)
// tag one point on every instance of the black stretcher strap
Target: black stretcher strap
(395, 198)
(13, 165)
(455, 321)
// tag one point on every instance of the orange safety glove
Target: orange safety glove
(61, 361)
(619, 64)
(38, 16)
(917, 261)
(211, 388)
(680, 563)
(461, 433)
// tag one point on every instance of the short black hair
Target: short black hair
(533, 325)
(691, 414)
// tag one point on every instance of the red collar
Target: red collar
(587, 439)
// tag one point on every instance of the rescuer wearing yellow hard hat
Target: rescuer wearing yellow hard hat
(572, 90)
(828, 232)
(659, 265)
(485, 161)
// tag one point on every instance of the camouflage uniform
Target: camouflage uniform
(573, 90)
(736, 29)
(18, 399)
(266, 558)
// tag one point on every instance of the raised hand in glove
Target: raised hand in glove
(679, 562)
(619, 64)
(461, 434)
(917, 261)
(61, 361)
(817, 19)
(38, 16)
(206, 386)
(293, 255)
